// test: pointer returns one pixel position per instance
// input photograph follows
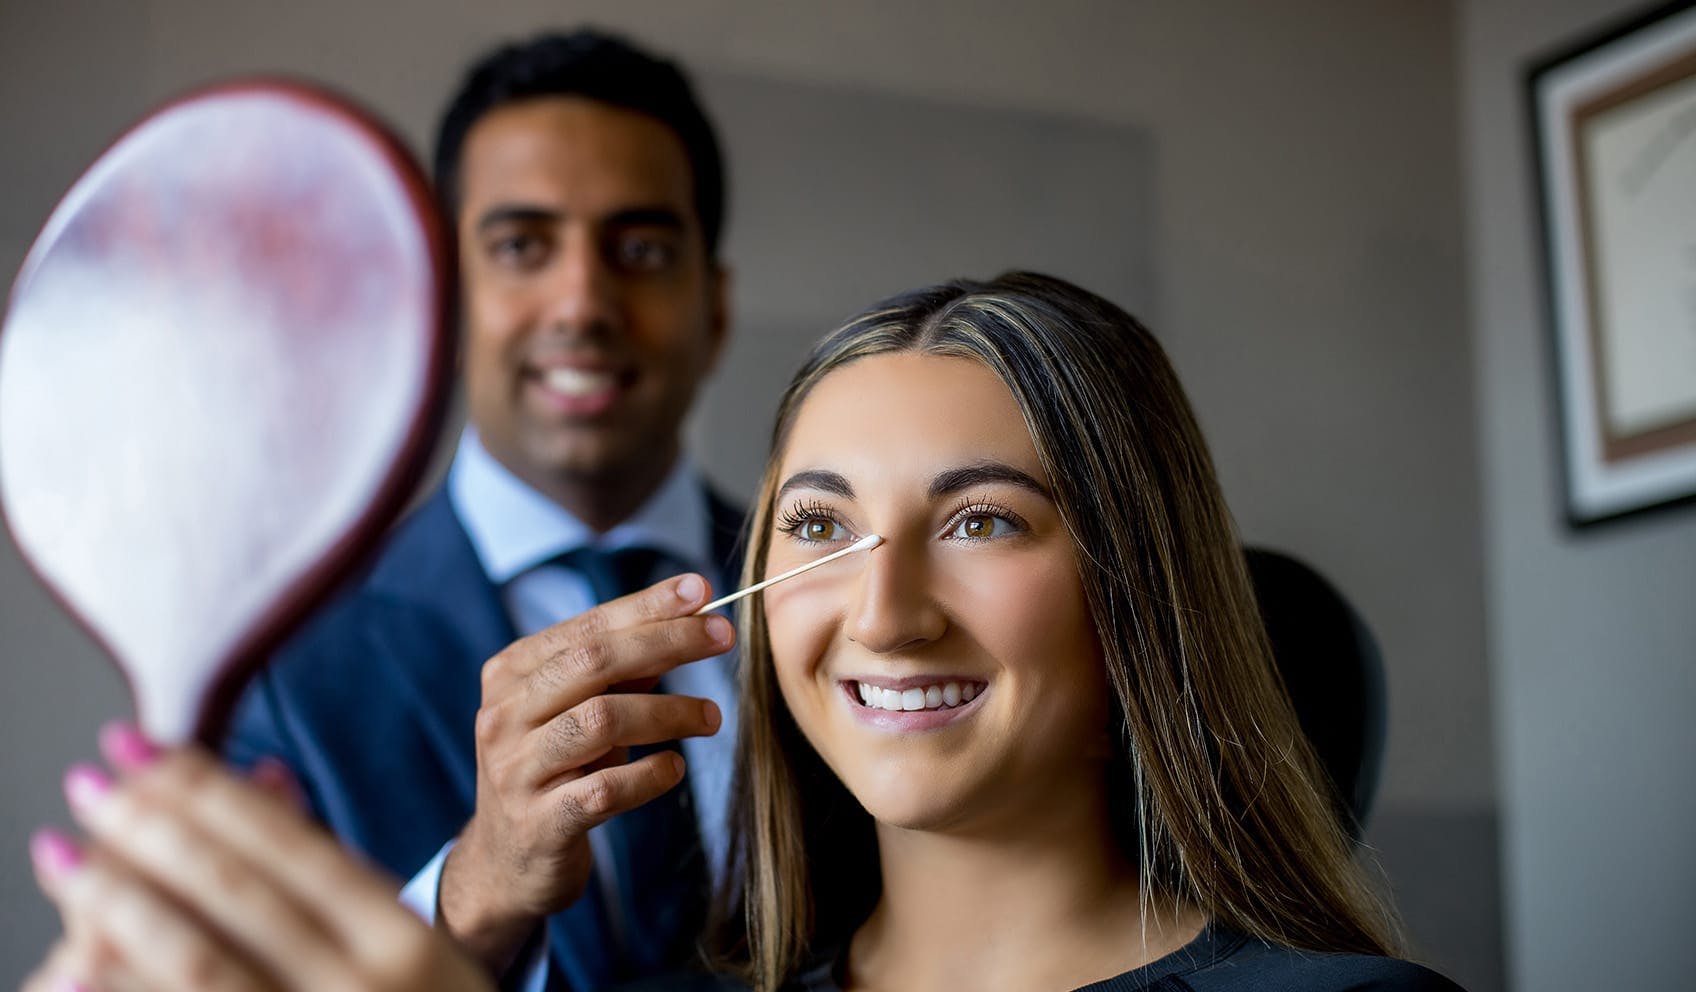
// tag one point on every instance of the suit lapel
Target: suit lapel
(433, 575)
(433, 566)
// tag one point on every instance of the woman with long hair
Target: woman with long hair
(1035, 739)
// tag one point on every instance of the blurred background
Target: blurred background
(1326, 211)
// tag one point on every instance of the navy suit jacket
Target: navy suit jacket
(372, 704)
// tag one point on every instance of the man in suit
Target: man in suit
(462, 713)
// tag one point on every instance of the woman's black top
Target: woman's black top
(1218, 960)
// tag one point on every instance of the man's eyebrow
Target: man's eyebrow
(816, 478)
(983, 473)
(655, 216)
(516, 214)
(636, 216)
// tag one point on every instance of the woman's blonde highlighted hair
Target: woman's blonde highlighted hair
(1218, 797)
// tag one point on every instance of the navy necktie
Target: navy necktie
(615, 573)
(653, 920)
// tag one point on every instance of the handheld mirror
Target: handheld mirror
(222, 369)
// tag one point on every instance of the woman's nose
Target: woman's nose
(893, 609)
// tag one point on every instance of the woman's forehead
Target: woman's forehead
(889, 416)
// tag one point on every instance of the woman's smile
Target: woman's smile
(913, 703)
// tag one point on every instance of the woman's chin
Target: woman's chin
(918, 809)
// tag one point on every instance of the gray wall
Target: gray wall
(1592, 635)
(1291, 214)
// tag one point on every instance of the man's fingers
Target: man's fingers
(594, 799)
(664, 600)
(583, 734)
(577, 668)
(670, 599)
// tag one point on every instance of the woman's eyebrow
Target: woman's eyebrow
(983, 473)
(817, 478)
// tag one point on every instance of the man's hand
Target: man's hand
(552, 735)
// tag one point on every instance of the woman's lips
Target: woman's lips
(913, 703)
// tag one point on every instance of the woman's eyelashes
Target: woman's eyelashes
(811, 522)
(980, 520)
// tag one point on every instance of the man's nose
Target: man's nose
(893, 609)
(583, 291)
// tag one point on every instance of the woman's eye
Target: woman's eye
(819, 529)
(812, 523)
(981, 526)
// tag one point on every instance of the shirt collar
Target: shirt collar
(513, 528)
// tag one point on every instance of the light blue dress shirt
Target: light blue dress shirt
(517, 534)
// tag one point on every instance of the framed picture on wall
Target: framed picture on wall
(1615, 126)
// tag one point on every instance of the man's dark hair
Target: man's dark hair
(598, 66)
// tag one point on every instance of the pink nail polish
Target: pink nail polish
(275, 777)
(54, 854)
(85, 786)
(125, 746)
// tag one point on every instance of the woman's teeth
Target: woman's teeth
(932, 697)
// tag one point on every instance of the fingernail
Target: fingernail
(276, 778)
(690, 588)
(709, 709)
(677, 763)
(719, 629)
(54, 854)
(125, 746)
(86, 786)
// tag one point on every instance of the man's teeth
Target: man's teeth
(932, 697)
(578, 382)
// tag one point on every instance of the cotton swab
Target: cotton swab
(866, 543)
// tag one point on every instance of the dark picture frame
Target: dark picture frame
(1614, 125)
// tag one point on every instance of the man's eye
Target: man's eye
(981, 526)
(644, 254)
(523, 251)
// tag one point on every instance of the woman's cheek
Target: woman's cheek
(798, 620)
(1009, 598)
(810, 605)
(800, 616)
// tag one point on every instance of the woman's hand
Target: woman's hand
(196, 880)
